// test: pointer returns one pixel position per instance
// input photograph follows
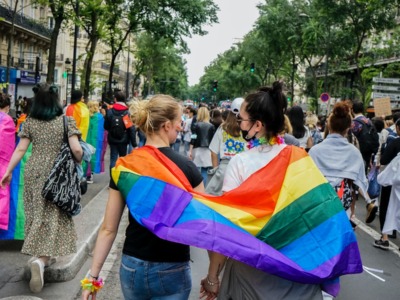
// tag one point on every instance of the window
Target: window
(41, 12)
(55, 75)
(50, 22)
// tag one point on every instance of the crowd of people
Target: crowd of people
(214, 153)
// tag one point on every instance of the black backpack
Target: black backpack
(368, 137)
(117, 128)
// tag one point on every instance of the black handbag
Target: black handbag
(62, 187)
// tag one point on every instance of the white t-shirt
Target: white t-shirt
(186, 130)
(243, 165)
(303, 140)
(226, 145)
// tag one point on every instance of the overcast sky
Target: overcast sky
(236, 18)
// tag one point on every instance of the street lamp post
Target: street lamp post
(76, 32)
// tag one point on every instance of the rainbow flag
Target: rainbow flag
(80, 113)
(7, 134)
(293, 227)
(95, 138)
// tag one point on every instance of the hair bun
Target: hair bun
(277, 86)
(341, 110)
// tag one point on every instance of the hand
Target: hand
(207, 291)
(6, 179)
(87, 294)
(190, 156)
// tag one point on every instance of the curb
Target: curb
(65, 268)
(21, 298)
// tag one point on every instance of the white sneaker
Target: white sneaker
(37, 272)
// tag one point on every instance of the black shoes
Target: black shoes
(381, 244)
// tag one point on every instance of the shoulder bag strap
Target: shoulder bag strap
(65, 121)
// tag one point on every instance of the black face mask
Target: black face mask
(245, 134)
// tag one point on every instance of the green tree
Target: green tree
(358, 20)
(61, 10)
(171, 19)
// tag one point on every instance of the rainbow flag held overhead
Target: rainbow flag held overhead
(80, 113)
(95, 138)
(285, 219)
(7, 135)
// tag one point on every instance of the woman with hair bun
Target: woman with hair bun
(340, 161)
(261, 120)
(151, 268)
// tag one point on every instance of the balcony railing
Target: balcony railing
(24, 22)
(106, 67)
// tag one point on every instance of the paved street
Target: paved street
(370, 285)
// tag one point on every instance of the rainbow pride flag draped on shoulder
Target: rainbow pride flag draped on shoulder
(16, 223)
(95, 138)
(285, 219)
(80, 113)
(7, 136)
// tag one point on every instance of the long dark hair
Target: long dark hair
(296, 117)
(268, 105)
(46, 104)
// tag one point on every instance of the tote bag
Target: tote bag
(62, 187)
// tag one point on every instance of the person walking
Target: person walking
(187, 133)
(202, 135)
(300, 131)
(49, 232)
(120, 129)
(151, 268)
(261, 122)
(7, 136)
(339, 161)
(79, 111)
(392, 151)
(95, 138)
(226, 143)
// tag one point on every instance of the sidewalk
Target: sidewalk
(87, 224)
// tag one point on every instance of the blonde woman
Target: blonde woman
(311, 124)
(151, 268)
(201, 139)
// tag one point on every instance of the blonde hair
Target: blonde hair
(311, 120)
(149, 115)
(93, 107)
(287, 126)
(203, 115)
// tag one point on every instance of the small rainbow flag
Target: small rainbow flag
(294, 226)
(80, 113)
(95, 138)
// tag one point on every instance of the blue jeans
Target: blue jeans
(204, 174)
(117, 150)
(176, 146)
(145, 280)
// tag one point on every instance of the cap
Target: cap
(235, 106)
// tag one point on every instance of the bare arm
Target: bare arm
(19, 152)
(214, 159)
(76, 148)
(108, 232)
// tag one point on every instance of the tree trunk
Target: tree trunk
(53, 49)
(88, 66)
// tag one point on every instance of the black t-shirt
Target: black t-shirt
(391, 151)
(141, 242)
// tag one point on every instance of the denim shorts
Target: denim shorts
(145, 280)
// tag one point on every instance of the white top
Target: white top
(391, 176)
(226, 145)
(186, 130)
(303, 140)
(244, 164)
